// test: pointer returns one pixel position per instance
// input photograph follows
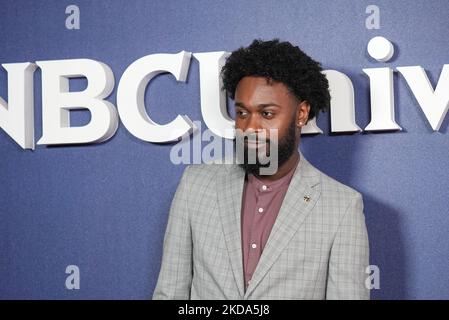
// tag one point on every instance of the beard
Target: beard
(285, 148)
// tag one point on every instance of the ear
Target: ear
(302, 113)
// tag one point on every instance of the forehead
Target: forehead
(254, 90)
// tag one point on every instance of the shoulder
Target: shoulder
(205, 173)
(204, 170)
(335, 194)
(332, 186)
(337, 201)
(203, 183)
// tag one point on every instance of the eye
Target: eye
(268, 114)
(241, 113)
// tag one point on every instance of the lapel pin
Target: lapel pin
(306, 198)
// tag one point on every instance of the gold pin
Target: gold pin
(306, 198)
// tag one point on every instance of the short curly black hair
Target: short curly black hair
(281, 62)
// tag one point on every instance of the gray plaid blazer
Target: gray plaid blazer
(317, 249)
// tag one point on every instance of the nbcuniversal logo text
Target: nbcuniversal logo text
(17, 115)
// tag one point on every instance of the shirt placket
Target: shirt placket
(255, 243)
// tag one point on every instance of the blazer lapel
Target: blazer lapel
(229, 203)
(299, 200)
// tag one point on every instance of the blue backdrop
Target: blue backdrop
(104, 207)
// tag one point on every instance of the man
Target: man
(234, 233)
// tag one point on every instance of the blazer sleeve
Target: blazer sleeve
(349, 257)
(175, 275)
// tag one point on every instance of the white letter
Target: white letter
(180, 152)
(215, 146)
(380, 48)
(17, 116)
(382, 100)
(72, 21)
(57, 102)
(73, 280)
(372, 21)
(131, 92)
(434, 104)
(342, 102)
(373, 280)
(213, 99)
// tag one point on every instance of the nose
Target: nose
(253, 124)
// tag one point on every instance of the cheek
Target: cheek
(240, 124)
(279, 128)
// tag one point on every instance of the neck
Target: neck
(284, 169)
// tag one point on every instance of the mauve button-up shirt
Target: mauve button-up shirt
(262, 200)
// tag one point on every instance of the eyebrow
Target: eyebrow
(259, 106)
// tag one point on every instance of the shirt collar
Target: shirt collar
(267, 186)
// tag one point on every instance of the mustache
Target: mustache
(252, 138)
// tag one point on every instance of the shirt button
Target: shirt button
(254, 246)
(264, 187)
(260, 210)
